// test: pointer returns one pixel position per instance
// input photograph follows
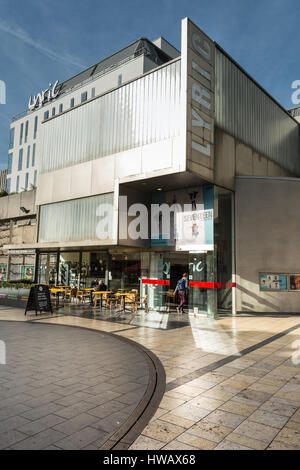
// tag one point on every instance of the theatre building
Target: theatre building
(151, 127)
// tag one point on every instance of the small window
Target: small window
(11, 138)
(18, 184)
(28, 157)
(46, 115)
(26, 131)
(9, 165)
(72, 103)
(8, 184)
(120, 80)
(21, 133)
(26, 180)
(61, 108)
(35, 127)
(33, 155)
(35, 178)
(83, 97)
(93, 92)
(20, 164)
(53, 112)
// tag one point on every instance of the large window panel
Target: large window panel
(74, 220)
(142, 112)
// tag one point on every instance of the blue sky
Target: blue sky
(43, 40)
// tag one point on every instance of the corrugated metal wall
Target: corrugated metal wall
(145, 111)
(73, 220)
(245, 111)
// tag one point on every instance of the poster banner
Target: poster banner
(194, 230)
(3, 272)
(275, 282)
(295, 282)
(27, 273)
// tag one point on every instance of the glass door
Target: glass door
(202, 294)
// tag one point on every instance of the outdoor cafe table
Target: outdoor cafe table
(123, 294)
(57, 292)
(100, 292)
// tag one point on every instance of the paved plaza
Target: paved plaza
(66, 388)
(231, 383)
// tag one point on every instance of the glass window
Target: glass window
(20, 164)
(120, 79)
(26, 180)
(28, 157)
(33, 155)
(35, 126)
(35, 178)
(10, 161)
(93, 92)
(53, 112)
(26, 131)
(8, 183)
(18, 184)
(11, 138)
(47, 273)
(46, 115)
(72, 102)
(21, 133)
(61, 108)
(83, 96)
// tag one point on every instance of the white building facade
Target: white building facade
(156, 128)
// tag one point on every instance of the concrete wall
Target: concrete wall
(10, 205)
(234, 158)
(267, 241)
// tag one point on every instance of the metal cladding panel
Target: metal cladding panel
(74, 220)
(245, 111)
(142, 112)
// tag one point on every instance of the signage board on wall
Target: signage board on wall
(295, 282)
(194, 230)
(276, 282)
(198, 91)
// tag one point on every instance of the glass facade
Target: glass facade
(74, 220)
(145, 111)
(152, 272)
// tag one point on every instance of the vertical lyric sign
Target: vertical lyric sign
(198, 92)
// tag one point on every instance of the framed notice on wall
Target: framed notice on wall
(273, 282)
(294, 282)
(3, 272)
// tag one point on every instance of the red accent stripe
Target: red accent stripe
(212, 285)
(160, 282)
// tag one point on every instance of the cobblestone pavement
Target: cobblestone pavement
(231, 382)
(66, 388)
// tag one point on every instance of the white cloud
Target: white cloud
(19, 33)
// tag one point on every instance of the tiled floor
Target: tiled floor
(231, 382)
(67, 388)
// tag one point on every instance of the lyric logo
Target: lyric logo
(296, 354)
(2, 92)
(2, 352)
(295, 98)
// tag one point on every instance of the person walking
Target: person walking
(182, 288)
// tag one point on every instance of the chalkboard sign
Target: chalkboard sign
(39, 299)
